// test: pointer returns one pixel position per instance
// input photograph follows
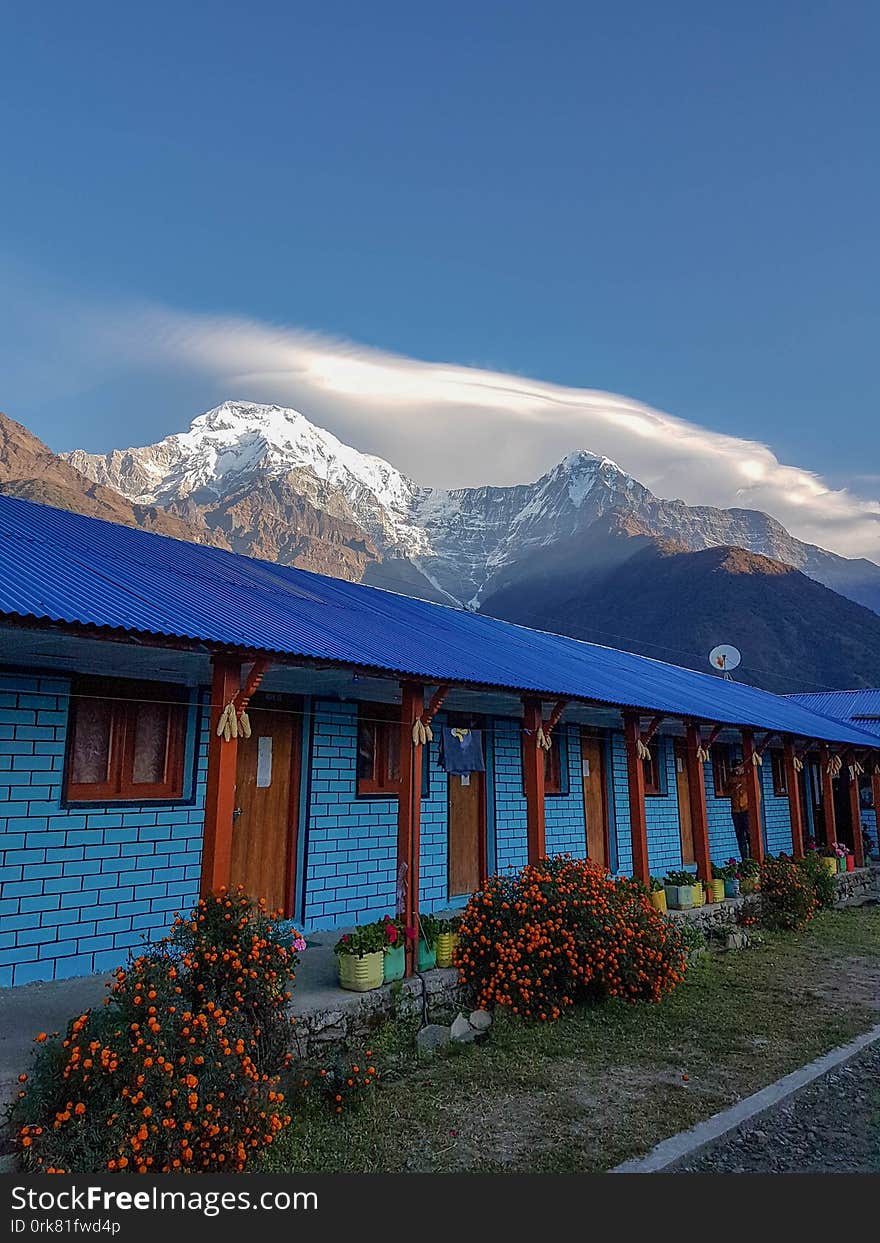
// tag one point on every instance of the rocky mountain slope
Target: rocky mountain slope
(242, 461)
(655, 597)
(30, 470)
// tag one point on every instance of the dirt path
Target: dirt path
(833, 1127)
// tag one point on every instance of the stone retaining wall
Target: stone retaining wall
(853, 889)
(356, 1016)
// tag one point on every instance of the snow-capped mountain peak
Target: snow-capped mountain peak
(274, 484)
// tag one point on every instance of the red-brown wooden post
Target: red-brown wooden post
(855, 807)
(753, 793)
(793, 788)
(699, 815)
(220, 787)
(828, 796)
(409, 812)
(533, 778)
(635, 772)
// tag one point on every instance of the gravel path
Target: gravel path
(833, 1127)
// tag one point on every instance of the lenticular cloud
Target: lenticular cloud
(450, 425)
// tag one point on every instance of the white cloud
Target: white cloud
(450, 425)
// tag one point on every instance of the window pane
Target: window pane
(392, 753)
(366, 750)
(150, 743)
(91, 744)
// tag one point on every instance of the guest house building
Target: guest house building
(175, 718)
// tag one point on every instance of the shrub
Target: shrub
(823, 883)
(788, 897)
(563, 930)
(180, 1069)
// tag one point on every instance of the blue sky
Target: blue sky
(675, 202)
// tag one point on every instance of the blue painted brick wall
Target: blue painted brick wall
(661, 812)
(777, 821)
(566, 826)
(433, 856)
(566, 829)
(351, 848)
(79, 887)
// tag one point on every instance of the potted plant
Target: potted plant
(828, 859)
(730, 872)
(699, 893)
(360, 956)
(749, 872)
(394, 948)
(429, 926)
(447, 940)
(849, 862)
(719, 892)
(657, 894)
(679, 887)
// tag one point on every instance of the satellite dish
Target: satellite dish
(724, 658)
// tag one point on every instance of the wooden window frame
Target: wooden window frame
(124, 697)
(655, 786)
(555, 785)
(722, 769)
(387, 717)
(777, 769)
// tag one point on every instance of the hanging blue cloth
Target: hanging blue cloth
(461, 750)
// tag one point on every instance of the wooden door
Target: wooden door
(595, 805)
(684, 802)
(467, 832)
(267, 802)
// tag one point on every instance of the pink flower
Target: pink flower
(299, 944)
(391, 933)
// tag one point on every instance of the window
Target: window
(722, 765)
(653, 765)
(126, 742)
(378, 752)
(554, 769)
(777, 766)
(378, 758)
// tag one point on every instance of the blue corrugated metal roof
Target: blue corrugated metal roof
(63, 567)
(861, 708)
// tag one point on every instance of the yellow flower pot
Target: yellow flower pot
(718, 890)
(698, 898)
(446, 943)
(658, 899)
(359, 975)
(829, 864)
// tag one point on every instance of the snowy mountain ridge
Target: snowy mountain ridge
(450, 544)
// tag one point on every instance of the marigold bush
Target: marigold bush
(181, 1067)
(787, 897)
(563, 930)
(823, 883)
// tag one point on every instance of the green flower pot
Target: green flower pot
(395, 963)
(427, 956)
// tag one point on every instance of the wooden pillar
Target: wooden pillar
(533, 779)
(753, 792)
(220, 788)
(827, 796)
(699, 816)
(856, 816)
(874, 762)
(409, 812)
(793, 787)
(635, 772)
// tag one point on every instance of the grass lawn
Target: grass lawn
(607, 1083)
